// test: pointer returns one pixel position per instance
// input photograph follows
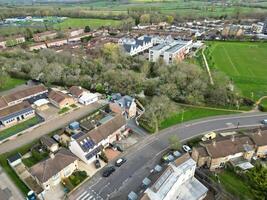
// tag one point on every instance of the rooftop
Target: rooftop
(57, 96)
(260, 138)
(6, 112)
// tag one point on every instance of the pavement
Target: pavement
(143, 156)
(8, 191)
(48, 127)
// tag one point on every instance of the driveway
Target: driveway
(48, 127)
(8, 191)
(143, 156)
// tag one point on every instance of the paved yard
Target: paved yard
(111, 154)
(48, 127)
(8, 190)
(49, 113)
(90, 169)
(55, 193)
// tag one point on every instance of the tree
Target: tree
(28, 34)
(145, 19)
(87, 29)
(174, 142)
(169, 19)
(3, 78)
(157, 110)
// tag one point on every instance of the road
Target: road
(48, 127)
(142, 157)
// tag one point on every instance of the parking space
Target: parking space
(55, 193)
(112, 154)
(49, 113)
(90, 169)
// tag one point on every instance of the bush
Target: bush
(103, 156)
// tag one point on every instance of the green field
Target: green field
(191, 113)
(81, 23)
(11, 83)
(245, 63)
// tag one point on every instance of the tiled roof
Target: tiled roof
(57, 96)
(46, 169)
(260, 139)
(76, 91)
(47, 141)
(14, 109)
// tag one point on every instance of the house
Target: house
(74, 32)
(50, 172)
(56, 42)
(30, 94)
(123, 104)
(88, 145)
(257, 27)
(170, 52)
(77, 38)
(59, 99)
(11, 41)
(37, 46)
(134, 46)
(40, 37)
(260, 140)
(49, 144)
(232, 31)
(215, 154)
(83, 96)
(17, 113)
(177, 181)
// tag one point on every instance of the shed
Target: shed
(74, 125)
(41, 104)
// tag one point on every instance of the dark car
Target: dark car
(120, 161)
(109, 171)
(97, 164)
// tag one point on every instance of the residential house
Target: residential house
(215, 154)
(83, 96)
(11, 41)
(177, 181)
(30, 94)
(56, 42)
(88, 145)
(123, 104)
(49, 143)
(53, 170)
(37, 46)
(78, 38)
(260, 140)
(134, 46)
(170, 52)
(17, 113)
(48, 35)
(258, 27)
(232, 31)
(74, 32)
(59, 99)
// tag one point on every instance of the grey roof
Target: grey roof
(127, 47)
(46, 169)
(147, 39)
(125, 101)
(47, 141)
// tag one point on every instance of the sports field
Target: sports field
(245, 63)
(81, 23)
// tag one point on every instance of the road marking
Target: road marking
(81, 195)
(86, 196)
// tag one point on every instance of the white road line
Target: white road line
(90, 198)
(81, 195)
(86, 196)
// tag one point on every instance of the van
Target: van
(209, 136)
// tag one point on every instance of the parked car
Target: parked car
(31, 196)
(186, 148)
(108, 171)
(264, 121)
(120, 161)
(97, 164)
(209, 136)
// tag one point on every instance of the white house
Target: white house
(177, 182)
(88, 98)
(136, 46)
(88, 145)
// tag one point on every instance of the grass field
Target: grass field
(191, 113)
(235, 185)
(11, 83)
(245, 63)
(81, 23)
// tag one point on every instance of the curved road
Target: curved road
(142, 157)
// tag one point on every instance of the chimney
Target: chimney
(52, 156)
(233, 138)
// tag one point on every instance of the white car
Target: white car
(186, 148)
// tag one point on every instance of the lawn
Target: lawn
(35, 158)
(11, 83)
(63, 110)
(19, 127)
(81, 23)
(235, 185)
(245, 63)
(191, 113)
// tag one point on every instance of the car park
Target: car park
(108, 171)
(120, 161)
(186, 148)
